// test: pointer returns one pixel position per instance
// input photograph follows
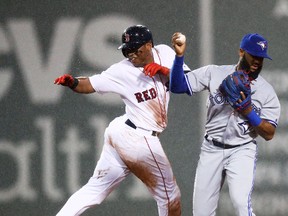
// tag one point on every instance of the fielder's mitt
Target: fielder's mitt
(231, 87)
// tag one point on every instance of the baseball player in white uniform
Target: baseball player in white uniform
(229, 148)
(131, 142)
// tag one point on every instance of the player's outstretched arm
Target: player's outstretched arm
(77, 84)
(178, 82)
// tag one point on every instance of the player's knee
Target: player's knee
(203, 211)
(242, 204)
(175, 207)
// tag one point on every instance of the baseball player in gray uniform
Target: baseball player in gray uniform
(229, 148)
(131, 141)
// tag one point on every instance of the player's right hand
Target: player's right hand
(153, 68)
(178, 48)
(65, 80)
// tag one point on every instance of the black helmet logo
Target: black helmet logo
(126, 38)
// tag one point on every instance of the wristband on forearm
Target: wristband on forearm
(253, 118)
(75, 83)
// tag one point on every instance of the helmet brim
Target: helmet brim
(131, 45)
(122, 46)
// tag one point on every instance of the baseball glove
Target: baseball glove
(231, 87)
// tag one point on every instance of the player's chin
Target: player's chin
(136, 63)
(256, 69)
(253, 68)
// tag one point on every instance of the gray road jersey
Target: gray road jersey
(223, 123)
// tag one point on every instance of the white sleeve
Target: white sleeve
(198, 80)
(271, 109)
(107, 81)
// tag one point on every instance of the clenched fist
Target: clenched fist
(153, 68)
(67, 80)
(179, 43)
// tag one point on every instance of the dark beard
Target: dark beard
(244, 65)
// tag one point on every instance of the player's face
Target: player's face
(142, 56)
(250, 63)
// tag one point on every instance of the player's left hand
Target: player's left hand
(237, 91)
(153, 68)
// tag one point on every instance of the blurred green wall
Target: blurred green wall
(51, 138)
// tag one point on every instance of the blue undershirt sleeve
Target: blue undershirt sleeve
(178, 82)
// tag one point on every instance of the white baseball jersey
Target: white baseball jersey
(132, 149)
(223, 123)
(147, 101)
(227, 126)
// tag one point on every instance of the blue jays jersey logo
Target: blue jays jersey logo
(245, 125)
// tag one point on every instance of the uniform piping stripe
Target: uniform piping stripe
(250, 194)
(188, 84)
(159, 170)
(273, 123)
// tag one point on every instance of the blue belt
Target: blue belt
(226, 146)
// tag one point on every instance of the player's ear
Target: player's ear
(241, 52)
(149, 45)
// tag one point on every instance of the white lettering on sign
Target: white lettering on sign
(280, 9)
(48, 157)
(38, 73)
(21, 155)
(71, 147)
(95, 44)
(97, 47)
